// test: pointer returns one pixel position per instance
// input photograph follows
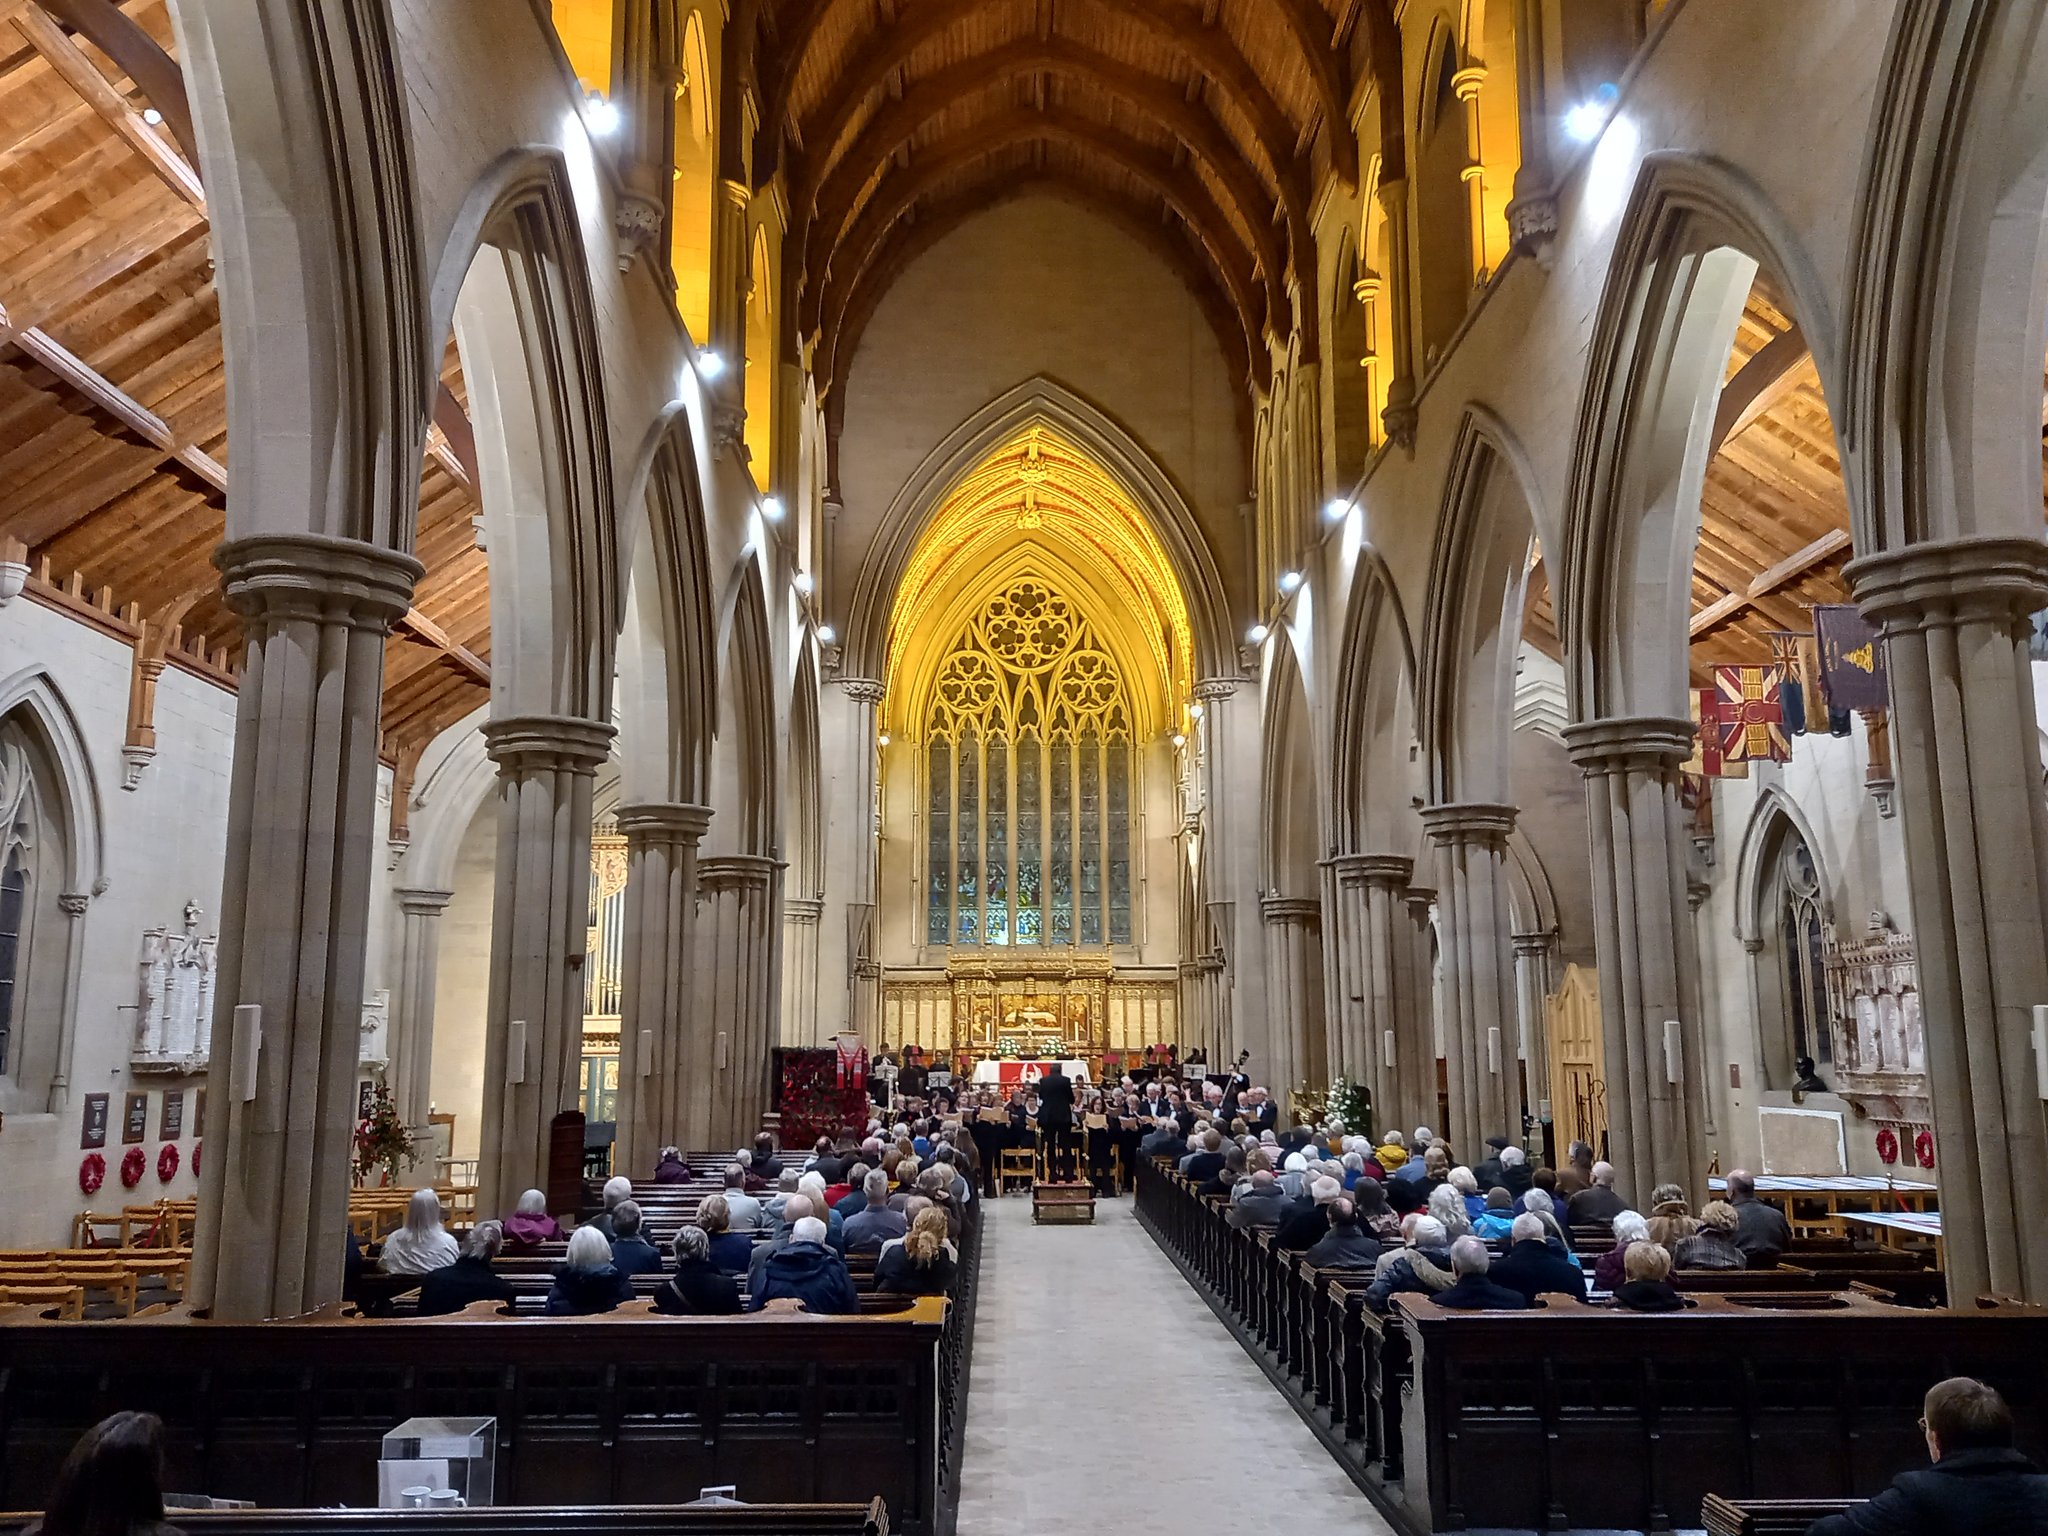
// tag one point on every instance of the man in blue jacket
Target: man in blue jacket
(1978, 1483)
(1531, 1267)
(809, 1272)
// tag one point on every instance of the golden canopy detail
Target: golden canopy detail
(1040, 507)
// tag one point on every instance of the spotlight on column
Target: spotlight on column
(1256, 635)
(709, 365)
(1195, 710)
(1334, 510)
(1584, 121)
(1290, 582)
(1179, 741)
(151, 116)
(882, 740)
(771, 508)
(827, 634)
(600, 115)
(802, 582)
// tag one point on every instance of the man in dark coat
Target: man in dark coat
(1472, 1291)
(1347, 1245)
(1308, 1224)
(1204, 1163)
(1532, 1268)
(1056, 1121)
(470, 1278)
(1761, 1231)
(1978, 1483)
(1597, 1205)
(808, 1271)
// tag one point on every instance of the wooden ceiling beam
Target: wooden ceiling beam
(1310, 26)
(1786, 571)
(78, 71)
(1771, 373)
(139, 56)
(466, 661)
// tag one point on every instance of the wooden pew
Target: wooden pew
(1765, 1517)
(848, 1519)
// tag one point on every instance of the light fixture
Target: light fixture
(151, 116)
(1290, 581)
(1195, 710)
(600, 115)
(1336, 509)
(709, 365)
(1584, 121)
(1256, 635)
(802, 582)
(827, 634)
(771, 508)
(882, 740)
(1179, 740)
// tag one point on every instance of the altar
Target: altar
(1015, 1074)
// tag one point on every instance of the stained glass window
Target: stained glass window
(1029, 734)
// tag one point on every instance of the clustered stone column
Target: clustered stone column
(864, 1013)
(738, 956)
(1354, 1053)
(1532, 996)
(533, 1048)
(1230, 827)
(301, 850)
(1967, 746)
(1649, 966)
(659, 1045)
(800, 916)
(73, 905)
(1294, 993)
(1395, 1010)
(1479, 983)
(412, 1013)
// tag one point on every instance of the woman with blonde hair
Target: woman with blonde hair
(1447, 1205)
(422, 1245)
(922, 1264)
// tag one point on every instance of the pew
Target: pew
(1765, 1517)
(1781, 1384)
(870, 1518)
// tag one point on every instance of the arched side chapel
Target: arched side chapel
(986, 583)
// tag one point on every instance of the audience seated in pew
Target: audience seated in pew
(1544, 1181)
(632, 1254)
(742, 1210)
(615, 1190)
(422, 1245)
(922, 1264)
(1418, 1179)
(1628, 1227)
(1646, 1286)
(589, 1282)
(1423, 1266)
(470, 1278)
(767, 1165)
(1532, 1268)
(1713, 1245)
(1447, 1205)
(699, 1287)
(1264, 1204)
(530, 1225)
(111, 1483)
(730, 1252)
(1493, 1224)
(1466, 1183)
(1347, 1244)
(1761, 1230)
(1308, 1222)
(1671, 1217)
(805, 1270)
(1472, 1291)
(795, 1208)
(671, 1169)
(1538, 1203)
(1597, 1202)
(875, 1222)
(1978, 1484)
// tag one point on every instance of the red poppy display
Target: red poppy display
(132, 1164)
(92, 1173)
(1887, 1145)
(167, 1163)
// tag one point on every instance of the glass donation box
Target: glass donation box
(437, 1463)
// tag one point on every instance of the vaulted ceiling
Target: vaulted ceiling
(1197, 125)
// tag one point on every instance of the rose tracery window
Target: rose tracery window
(1028, 764)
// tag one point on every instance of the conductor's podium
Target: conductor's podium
(1063, 1203)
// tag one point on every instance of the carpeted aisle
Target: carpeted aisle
(1106, 1396)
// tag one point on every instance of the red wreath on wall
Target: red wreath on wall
(1923, 1148)
(1887, 1145)
(132, 1162)
(92, 1173)
(167, 1163)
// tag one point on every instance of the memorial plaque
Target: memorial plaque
(94, 1132)
(135, 1117)
(170, 1120)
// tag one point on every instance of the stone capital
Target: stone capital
(73, 903)
(802, 909)
(1389, 870)
(418, 901)
(737, 872)
(1998, 579)
(1532, 945)
(1629, 741)
(659, 823)
(1301, 910)
(1473, 822)
(277, 578)
(521, 744)
(1213, 690)
(864, 690)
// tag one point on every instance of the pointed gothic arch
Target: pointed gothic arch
(744, 786)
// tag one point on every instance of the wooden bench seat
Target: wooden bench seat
(870, 1518)
(1765, 1517)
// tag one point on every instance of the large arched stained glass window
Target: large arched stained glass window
(1029, 788)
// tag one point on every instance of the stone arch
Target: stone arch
(1374, 769)
(966, 446)
(744, 796)
(1290, 847)
(446, 797)
(1775, 819)
(1444, 263)
(1472, 613)
(33, 697)
(1690, 243)
(668, 690)
(1350, 384)
(804, 781)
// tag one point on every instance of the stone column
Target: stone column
(661, 1041)
(540, 912)
(1400, 413)
(1479, 981)
(1418, 954)
(1649, 967)
(644, 91)
(1354, 1050)
(1532, 212)
(1967, 748)
(735, 992)
(1394, 1036)
(301, 848)
(1230, 848)
(800, 1022)
(1532, 996)
(731, 283)
(861, 848)
(1294, 995)
(1467, 84)
(72, 904)
(412, 1013)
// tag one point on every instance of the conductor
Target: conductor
(1056, 1123)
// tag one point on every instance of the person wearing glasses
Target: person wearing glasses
(1977, 1483)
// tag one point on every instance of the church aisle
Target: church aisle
(1105, 1393)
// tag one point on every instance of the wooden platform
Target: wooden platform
(1063, 1202)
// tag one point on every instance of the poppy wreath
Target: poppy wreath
(92, 1173)
(167, 1163)
(1923, 1148)
(132, 1164)
(1887, 1145)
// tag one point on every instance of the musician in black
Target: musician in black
(1056, 1123)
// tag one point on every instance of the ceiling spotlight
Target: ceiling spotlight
(771, 508)
(1179, 740)
(1195, 711)
(709, 365)
(882, 740)
(802, 582)
(1290, 581)
(601, 116)
(151, 116)
(1336, 509)
(827, 634)
(1584, 121)
(1256, 635)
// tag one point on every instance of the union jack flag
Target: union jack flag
(1707, 761)
(1750, 711)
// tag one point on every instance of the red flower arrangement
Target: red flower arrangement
(132, 1164)
(92, 1173)
(1887, 1145)
(1923, 1148)
(814, 1103)
(167, 1163)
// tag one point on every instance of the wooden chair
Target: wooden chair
(1018, 1167)
(68, 1300)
